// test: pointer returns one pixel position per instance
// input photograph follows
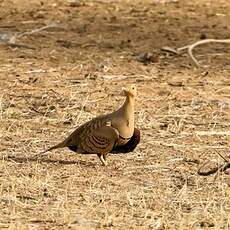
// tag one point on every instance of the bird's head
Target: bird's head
(130, 90)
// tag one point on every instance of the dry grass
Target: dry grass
(74, 73)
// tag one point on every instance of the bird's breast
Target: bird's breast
(125, 130)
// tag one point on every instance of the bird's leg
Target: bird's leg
(102, 159)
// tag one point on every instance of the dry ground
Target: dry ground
(69, 73)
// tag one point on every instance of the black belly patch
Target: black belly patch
(73, 148)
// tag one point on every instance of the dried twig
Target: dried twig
(189, 48)
(227, 161)
(10, 40)
(36, 30)
(219, 168)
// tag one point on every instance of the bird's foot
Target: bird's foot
(102, 159)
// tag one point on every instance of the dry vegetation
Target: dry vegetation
(74, 71)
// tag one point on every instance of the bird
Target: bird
(109, 133)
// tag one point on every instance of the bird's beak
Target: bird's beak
(123, 91)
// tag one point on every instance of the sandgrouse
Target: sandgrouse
(110, 133)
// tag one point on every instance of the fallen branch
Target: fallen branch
(189, 48)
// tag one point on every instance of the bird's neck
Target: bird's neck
(128, 107)
(129, 102)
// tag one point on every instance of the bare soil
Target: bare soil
(62, 76)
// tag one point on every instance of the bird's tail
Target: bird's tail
(60, 145)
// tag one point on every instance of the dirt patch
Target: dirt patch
(66, 74)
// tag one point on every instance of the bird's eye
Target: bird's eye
(133, 88)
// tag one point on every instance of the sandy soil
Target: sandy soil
(55, 79)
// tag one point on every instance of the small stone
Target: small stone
(74, 3)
